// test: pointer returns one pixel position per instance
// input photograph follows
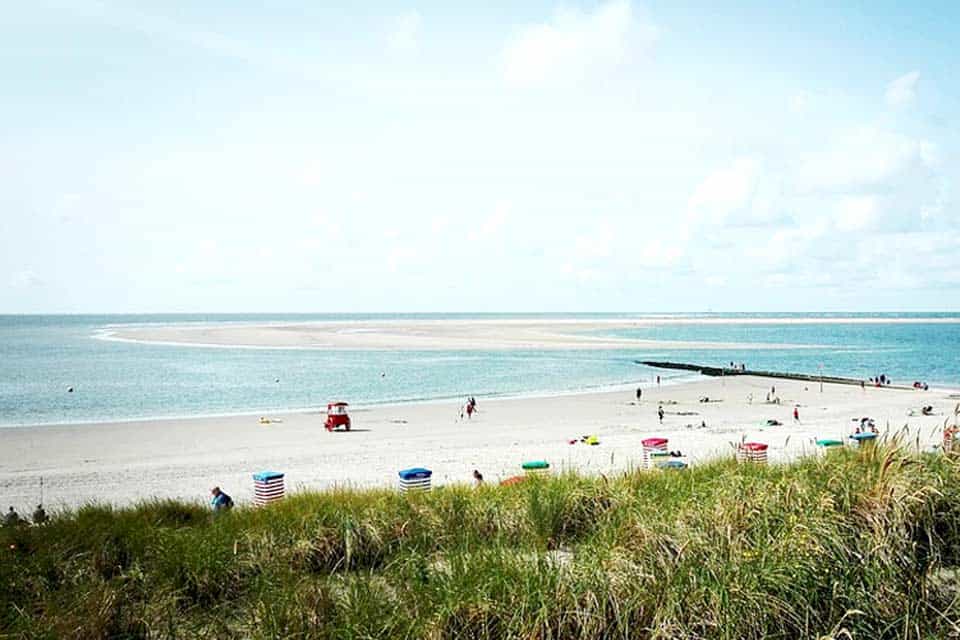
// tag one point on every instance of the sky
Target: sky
(235, 156)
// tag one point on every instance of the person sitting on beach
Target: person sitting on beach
(39, 515)
(927, 410)
(477, 478)
(220, 501)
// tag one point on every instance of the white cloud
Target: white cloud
(26, 279)
(492, 224)
(594, 245)
(800, 102)
(864, 158)
(439, 224)
(660, 254)
(853, 213)
(400, 256)
(726, 189)
(404, 35)
(574, 45)
(902, 92)
(744, 193)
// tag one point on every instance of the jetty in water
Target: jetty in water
(736, 371)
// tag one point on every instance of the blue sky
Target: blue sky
(539, 156)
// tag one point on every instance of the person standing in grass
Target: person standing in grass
(220, 501)
(12, 518)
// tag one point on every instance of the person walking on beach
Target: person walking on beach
(219, 500)
(796, 414)
(469, 410)
(658, 381)
(639, 393)
(660, 413)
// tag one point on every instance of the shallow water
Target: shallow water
(43, 355)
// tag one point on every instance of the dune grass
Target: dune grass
(859, 544)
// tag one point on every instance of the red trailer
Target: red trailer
(337, 416)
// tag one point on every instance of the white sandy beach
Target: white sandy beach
(122, 463)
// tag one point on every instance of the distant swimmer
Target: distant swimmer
(69, 389)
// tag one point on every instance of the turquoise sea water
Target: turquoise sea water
(43, 355)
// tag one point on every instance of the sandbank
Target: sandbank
(421, 335)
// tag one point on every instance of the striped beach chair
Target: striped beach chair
(864, 439)
(536, 467)
(267, 487)
(654, 449)
(415, 479)
(754, 452)
(828, 443)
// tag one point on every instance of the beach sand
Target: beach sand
(424, 335)
(121, 463)
(453, 334)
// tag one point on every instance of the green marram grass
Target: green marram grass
(853, 544)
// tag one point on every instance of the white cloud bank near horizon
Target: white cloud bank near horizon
(597, 157)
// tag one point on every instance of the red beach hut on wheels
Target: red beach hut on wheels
(337, 416)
